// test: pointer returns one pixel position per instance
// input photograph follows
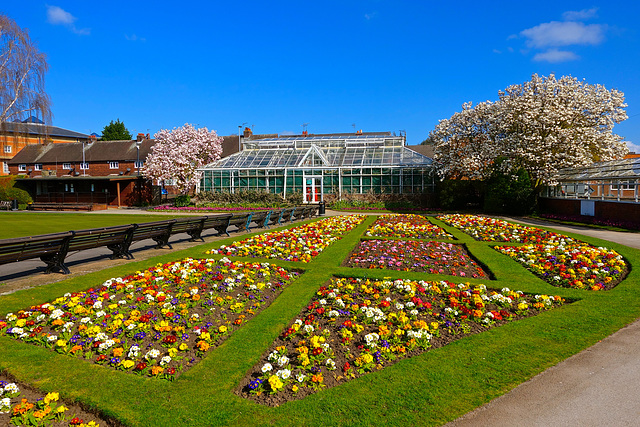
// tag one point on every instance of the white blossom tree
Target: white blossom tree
(542, 125)
(177, 154)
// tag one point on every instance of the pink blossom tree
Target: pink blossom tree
(177, 154)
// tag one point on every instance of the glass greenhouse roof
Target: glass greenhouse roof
(323, 152)
(614, 169)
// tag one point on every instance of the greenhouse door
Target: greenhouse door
(312, 189)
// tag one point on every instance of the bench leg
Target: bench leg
(118, 250)
(54, 263)
(222, 229)
(195, 235)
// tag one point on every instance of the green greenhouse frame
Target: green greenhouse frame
(320, 165)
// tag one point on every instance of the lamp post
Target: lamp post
(239, 143)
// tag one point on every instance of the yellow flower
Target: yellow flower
(275, 383)
(173, 352)
(61, 409)
(128, 364)
(183, 347)
(51, 397)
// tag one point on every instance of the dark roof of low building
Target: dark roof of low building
(424, 149)
(109, 151)
(39, 129)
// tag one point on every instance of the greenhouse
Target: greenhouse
(613, 180)
(320, 165)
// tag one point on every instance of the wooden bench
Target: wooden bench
(192, 226)
(240, 220)
(113, 238)
(60, 206)
(45, 247)
(5, 204)
(260, 218)
(287, 215)
(159, 231)
(274, 218)
(217, 222)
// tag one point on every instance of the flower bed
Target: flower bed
(415, 255)
(300, 243)
(408, 225)
(154, 323)
(496, 230)
(23, 406)
(571, 265)
(170, 208)
(355, 326)
(559, 260)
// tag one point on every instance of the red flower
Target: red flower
(170, 339)
(140, 366)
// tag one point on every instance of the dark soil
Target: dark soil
(75, 409)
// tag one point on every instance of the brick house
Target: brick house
(14, 136)
(105, 173)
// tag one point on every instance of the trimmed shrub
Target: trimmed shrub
(9, 191)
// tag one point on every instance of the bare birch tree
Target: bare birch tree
(22, 71)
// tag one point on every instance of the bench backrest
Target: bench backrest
(147, 230)
(97, 237)
(184, 225)
(22, 248)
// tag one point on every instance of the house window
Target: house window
(66, 166)
(84, 166)
(37, 166)
(138, 164)
(7, 149)
(22, 168)
(113, 165)
(5, 167)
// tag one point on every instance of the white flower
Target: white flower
(267, 368)
(11, 388)
(300, 377)
(5, 405)
(133, 351)
(165, 360)
(283, 360)
(152, 354)
(283, 374)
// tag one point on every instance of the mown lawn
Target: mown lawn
(25, 223)
(431, 389)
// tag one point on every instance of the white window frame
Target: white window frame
(5, 167)
(138, 164)
(8, 149)
(84, 166)
(22, 167)
(66, 166)
(114, 165)
(37, 167)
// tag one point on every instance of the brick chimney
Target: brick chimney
(140, 137)
(247, 133)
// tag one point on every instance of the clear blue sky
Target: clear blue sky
(381, 65)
